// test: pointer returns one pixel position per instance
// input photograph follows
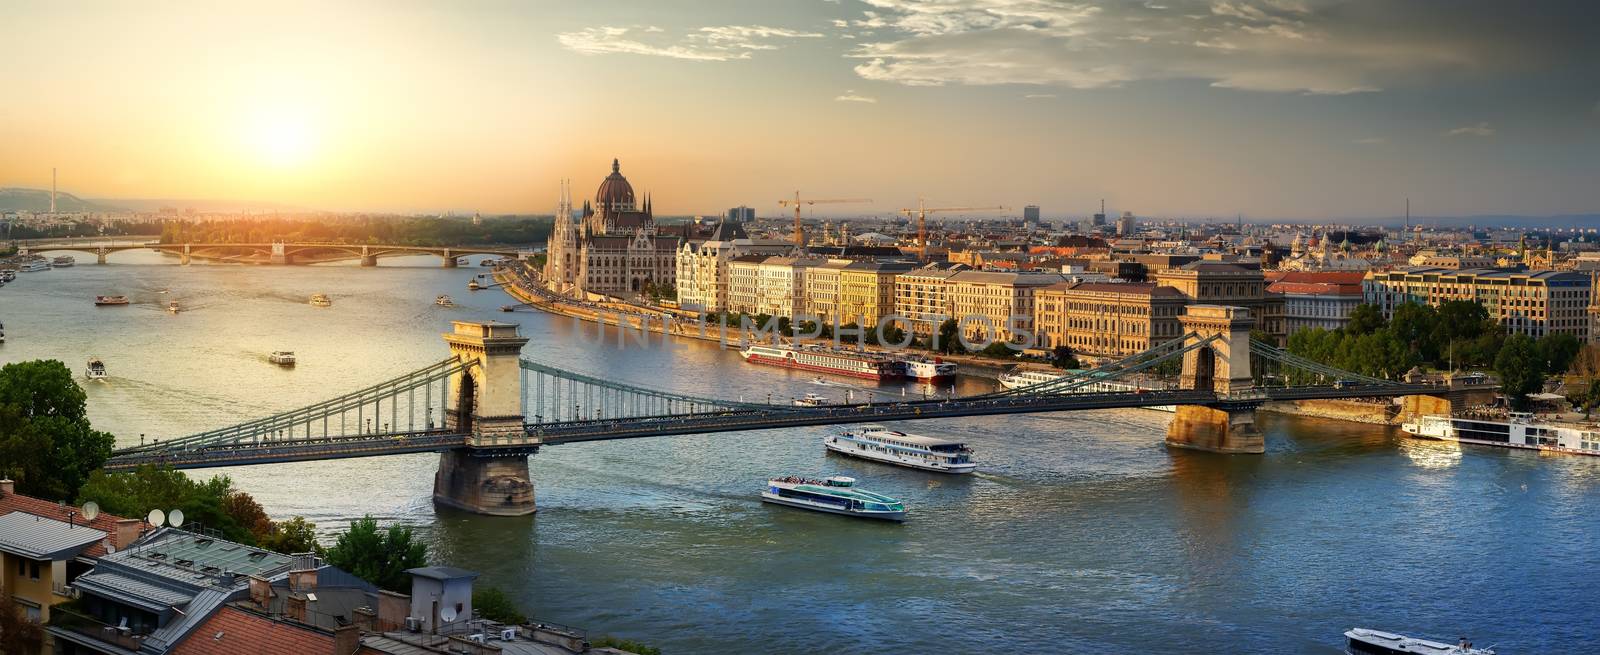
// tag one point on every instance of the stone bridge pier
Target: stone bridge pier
(1222, 366)
(449, 259)
(184, 258)
(100, 255)
(367, 258)
(490, 475)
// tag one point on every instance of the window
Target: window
(33, 570)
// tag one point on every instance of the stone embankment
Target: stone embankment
(1375, 413)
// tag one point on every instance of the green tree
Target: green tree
(17, 634)
(46, 444)
(950, 337)
(1556, 352)
(135, 493)
(379, 556)
(1062, 357)
(998, 350)
(296, 535)
(1520, 370)
(1365, 319)
(493, 604)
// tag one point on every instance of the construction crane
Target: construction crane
(799, 230)
(921, 214)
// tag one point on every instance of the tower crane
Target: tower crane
(921, 214)
(799, 230)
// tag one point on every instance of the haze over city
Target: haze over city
(1299, 109)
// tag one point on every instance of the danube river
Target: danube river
(1080, 533)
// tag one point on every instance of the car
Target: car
(1344, 384)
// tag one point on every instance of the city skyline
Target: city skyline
(1272, 108)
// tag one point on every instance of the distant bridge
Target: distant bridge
(279, 252)
(486, 409)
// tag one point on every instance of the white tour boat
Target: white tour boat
(444, 301)
(282, 357)
(34, 265)
(321, 300)
(64, 261)
(860, 364)
(1022, 379)
(811, 400)
(1362, 641)
(172, 306)
(923, 369)
(95, 370)
(472, 285)
(1518, 430)
(835, 495)
(881, 444)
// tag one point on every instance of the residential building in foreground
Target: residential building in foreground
(44, 546)
(922, 297)
(1535, 303)
(1317, 299)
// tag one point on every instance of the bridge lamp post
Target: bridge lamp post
(430, 418)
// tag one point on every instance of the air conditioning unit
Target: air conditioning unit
(508, 634)
(413, 624)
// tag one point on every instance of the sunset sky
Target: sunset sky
(1273, 108)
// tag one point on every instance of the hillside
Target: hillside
(38, 200)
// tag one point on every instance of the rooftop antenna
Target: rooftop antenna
(52, 190)
(156, 518)
(175, 517)
(1408, 219)
(91, 511)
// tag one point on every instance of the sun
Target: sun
(282, 137)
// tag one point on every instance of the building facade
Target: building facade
(867, 291)
(614, 248)
(702, 278)
(1107, 319)
(1535, 303)
(1322, 299)
(781, 285)
(1224, 283)
(922, 297)
(990, 304)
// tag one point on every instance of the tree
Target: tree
(46, 444)
(950, 337)
(134, 494)
(1521, 372)
(1556, 352)
(493, 604)
(379, 556)
(296, 535)
(17, 634)
(248, 513)
(1062, 357)
(1365, 319)
(998, 350)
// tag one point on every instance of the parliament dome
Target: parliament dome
(615, 191)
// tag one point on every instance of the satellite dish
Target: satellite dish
(447, 614)
(175, 518)
(156, 518)
(91, 510)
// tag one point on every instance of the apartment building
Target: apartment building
(822, 291)
(987, 302)
(702, 266)
(922, 297)
(1535, 303)
(1225, 283)
(780, 285)
(867, 291)
(1317, 299)
(1107, 319)
(744, 280)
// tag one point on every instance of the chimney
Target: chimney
(260, 592)
(295, 607)
(7, 487)
(303, 572)
(393, 609)
(346, 639)
(366, 618)
(128, 531)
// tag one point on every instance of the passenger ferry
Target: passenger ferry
(110, 300)
(321, 300)
(95, 370)
(282, 357)
(1020, 379)
(811, 400)
(923, 369)
(835, 495)
(880, 444)
(1377, 642)
(1517, 430)
(64, 261)
(34, 265)
(473, 285)
(865, 365)
(444, 301)
(172, 306)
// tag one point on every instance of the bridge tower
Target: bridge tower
(490, 474)
(279, 255)
(367, 258)
(1222, 366)
(449, 259)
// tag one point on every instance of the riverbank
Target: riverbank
(1354, 411)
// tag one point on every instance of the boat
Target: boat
(1378, 642)
(462, 261)
(8, 274)
(858, 364)
(172, 306)
(64, 261)
(96, 369)
(34, 265)
(835, 495)
(473, 285)
(486, 262)
(321, 300)
(505, 308)
(811, 400)
(444, 301)
(923, 369)
(879, 444)
(1021, 379)
(110, 300)
(1516, 430)
(282, 357)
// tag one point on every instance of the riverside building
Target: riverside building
(1535, 303)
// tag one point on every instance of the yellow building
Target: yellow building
(866, 291)
(44, 546)
(822, 291)
(1222, 283)
(988, 304)
(922, 297)
(1106, 319)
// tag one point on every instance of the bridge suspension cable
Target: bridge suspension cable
(1110, 371)
(1269, 352)
(389, 407)
(555, 395)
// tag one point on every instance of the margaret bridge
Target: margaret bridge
(278, 252)
(486, 408)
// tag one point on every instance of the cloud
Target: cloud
(1481, 129)
(1316, 47)
(718, 43)
(850, 96)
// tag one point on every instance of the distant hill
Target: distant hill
(38, 200)
(199, 205)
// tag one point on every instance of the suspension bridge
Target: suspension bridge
(486, 408)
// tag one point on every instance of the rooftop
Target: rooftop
(40, 538)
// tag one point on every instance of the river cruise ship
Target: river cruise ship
(34, 265)
(1518, 430)
(1021, 379)
(110, 300)
(1362, 641)
(835, 495)
(923, 369)
(64, 261)
(863, 365)
(879, 444)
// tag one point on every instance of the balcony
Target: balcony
(70, 621)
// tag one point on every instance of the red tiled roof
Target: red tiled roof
(232, 631)
(107, 523)
(1315, 288)
(1318, 277)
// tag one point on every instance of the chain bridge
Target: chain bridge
(486, 408)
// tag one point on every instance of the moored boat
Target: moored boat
(1377, 642)
(110, 300)
(1022, 379)
(870, 366)
(95, 369)
(282, 357)
(811, 400)
(34, 265)
(880, 444)
(321, 300)
(1516, 430)
(923, 369)
(835, 495)
(444, 301)
(473, 285)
